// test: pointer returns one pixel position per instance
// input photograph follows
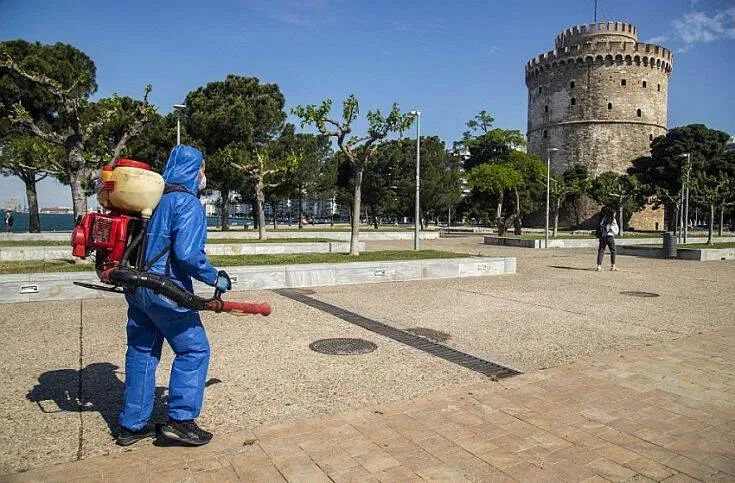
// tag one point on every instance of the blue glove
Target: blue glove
(223, 283)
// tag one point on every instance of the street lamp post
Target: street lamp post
(548, 189)
(417, 214)
(685, 199)
(178, 108)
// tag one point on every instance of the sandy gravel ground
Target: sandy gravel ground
(553, 311)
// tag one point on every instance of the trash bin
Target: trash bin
(670, 250)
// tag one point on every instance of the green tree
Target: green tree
(29, 159)
(56, 81)
(357, 149)
(487, 144)
(240, 111)
(660, 174)
(623, 193)
(713, 186)
(156, 140)
(305, 155)
(568, 189)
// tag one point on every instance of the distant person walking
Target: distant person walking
(9, 222)
(607, 229)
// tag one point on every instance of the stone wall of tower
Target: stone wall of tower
(600, 97)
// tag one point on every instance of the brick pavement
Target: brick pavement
(661, 413)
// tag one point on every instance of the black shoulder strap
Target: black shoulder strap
(170, 188)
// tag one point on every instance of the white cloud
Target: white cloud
(299, 13)
(658, 39)
(493, 49)
(698, 27)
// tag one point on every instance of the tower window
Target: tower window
(638, 113)
(609, 106)
(623, 82)
(574, 101)
(659, 87)
(539, 90)
(546, 133)
(546, 108)
(644, 84)
(650, 137)
(571, 85)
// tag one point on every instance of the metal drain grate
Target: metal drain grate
(431, 334)
(633, 293)
(343, 347)
(433, 348)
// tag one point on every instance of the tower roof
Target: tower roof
(597, 31)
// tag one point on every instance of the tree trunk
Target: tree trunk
(557, 208)
(710, 236)
(375, 221)
(355, 235)
(259, 202)
(275, 215)
(517, 214)
(76, 176)
(34, 221)
(224, 212)
(500, 206)
(301, 213)
(722, 219)
(254, 213)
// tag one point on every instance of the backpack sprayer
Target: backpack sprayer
(131, 191)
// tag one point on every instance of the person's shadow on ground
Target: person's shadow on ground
(101, 391)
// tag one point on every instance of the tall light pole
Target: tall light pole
(548, 189)
(686, 210)
(417, 215)
(178, 108)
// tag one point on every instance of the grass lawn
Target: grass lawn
(59, 243)
(241, 260)
(704, 245)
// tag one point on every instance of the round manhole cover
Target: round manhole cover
(431, 334)
(633, 293)
(342, 347)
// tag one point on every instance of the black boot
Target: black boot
(186, 432)
(126, 437)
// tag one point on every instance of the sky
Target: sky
(448, 58)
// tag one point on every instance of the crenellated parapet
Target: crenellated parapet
(603, 53)
(580, 34)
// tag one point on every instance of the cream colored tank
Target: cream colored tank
(131, 188)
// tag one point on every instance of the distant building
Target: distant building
(57, 210)
(11, 204)
(730, 146)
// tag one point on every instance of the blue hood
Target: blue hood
(183, 167)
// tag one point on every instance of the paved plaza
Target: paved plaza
(614, 386)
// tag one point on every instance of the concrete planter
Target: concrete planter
(697, 254)
(59, 286)
(64, 253)
(582, 242)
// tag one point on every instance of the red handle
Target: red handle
(246, 308)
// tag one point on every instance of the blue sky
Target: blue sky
(450, 59)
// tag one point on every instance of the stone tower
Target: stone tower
(600, 97)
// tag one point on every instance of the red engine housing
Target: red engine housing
(108, 234)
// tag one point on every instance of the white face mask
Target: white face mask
(202, 181)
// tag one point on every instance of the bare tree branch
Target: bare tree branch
(28, 124)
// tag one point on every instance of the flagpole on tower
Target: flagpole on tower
(595, 11)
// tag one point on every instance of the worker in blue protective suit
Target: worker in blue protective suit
(177, 232)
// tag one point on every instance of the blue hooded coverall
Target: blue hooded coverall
(179, 224)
